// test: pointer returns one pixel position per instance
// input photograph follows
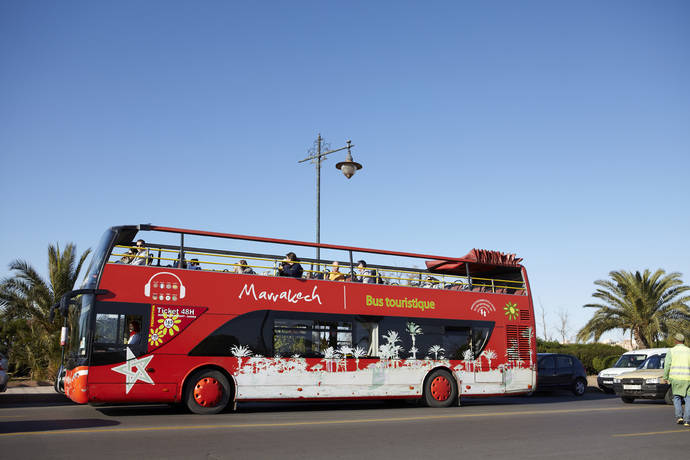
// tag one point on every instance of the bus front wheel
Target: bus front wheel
(208, 392)
(440, 389)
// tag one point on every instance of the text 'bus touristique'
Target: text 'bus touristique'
(211, 319)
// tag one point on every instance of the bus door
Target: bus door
(486, 369)
(119, 368)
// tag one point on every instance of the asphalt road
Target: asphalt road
(543, 426)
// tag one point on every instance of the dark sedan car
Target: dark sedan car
(559, 371)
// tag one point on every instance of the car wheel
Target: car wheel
(440, 389)
(207, 392)
(668, 397)
(579, 387)
(627, 399)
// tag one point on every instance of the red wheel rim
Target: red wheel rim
(440, 388)
(208, 392)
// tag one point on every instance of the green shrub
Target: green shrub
(594, 356)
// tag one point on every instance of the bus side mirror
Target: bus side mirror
(52, 311)
(64, 305)
(65, 300)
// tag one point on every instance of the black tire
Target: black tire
(668, 397)
(579, 387)
(440, 389)
(207, 392)
(627, 399)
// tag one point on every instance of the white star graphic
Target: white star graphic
(132, 376)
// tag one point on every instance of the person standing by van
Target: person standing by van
(677, 370)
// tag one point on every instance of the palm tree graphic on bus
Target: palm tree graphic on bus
(436, 349)
(413, 329)
(240, 351)
(489, 355)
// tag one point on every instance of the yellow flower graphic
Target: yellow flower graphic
(155, 337)
(512, 311)
(168, 324)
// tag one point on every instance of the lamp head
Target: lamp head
(349, 166)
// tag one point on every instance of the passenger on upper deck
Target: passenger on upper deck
(194, 264)
(176, 264)
(365, 276)
(335, 275)
(127, 257)
(142, 254)
(244, 269)
(290, 266)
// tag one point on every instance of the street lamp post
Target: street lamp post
(348, 168)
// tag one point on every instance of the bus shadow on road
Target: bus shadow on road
(126, 410)
(27, 426)
(546, 397)
(260, 407)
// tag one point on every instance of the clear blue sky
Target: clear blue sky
(555, 130)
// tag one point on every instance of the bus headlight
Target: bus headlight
(616, 380)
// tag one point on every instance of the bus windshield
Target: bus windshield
(97, 259)
(78, 319)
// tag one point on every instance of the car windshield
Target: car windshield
(653, 362)
(630, 361)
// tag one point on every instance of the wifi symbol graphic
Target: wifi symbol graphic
(483, 307)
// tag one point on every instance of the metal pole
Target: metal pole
(318, 200)
(317, 157)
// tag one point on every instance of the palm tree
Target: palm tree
(650, 305)
(26, 298)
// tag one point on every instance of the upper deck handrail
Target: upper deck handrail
(305, 244)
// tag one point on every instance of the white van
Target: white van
(628, 362)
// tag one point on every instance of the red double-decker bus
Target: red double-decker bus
(211, 319)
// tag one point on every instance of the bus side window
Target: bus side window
(480, 336)
(109, 330)
(366, 335)
(307, 338)
(456, 341)
(291, 337)
(331, 334)
(112, 337)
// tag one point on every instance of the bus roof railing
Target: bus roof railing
(514, 262)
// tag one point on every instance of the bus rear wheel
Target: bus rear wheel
(207, 392)
(440, 389)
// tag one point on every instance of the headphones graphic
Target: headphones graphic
(147, 287)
